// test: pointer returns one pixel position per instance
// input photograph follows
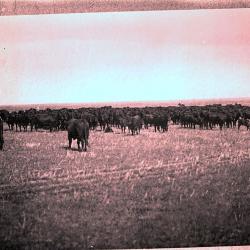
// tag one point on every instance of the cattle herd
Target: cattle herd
(131, 119)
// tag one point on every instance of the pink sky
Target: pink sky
(128, 56)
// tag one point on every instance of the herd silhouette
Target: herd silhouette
(131, 120)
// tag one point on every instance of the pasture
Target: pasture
(182, 188)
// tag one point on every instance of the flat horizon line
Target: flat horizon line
(125, 103)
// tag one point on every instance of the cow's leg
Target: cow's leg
(78, 144)
(70, 141)
(84, 144)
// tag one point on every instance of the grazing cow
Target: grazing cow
(1, 134)
(243, 122)
(78, 129)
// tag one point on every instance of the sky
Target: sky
(125, 56)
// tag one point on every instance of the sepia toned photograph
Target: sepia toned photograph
(125, 130)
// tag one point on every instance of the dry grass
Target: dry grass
(181, 188)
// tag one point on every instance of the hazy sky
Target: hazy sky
(128, 56)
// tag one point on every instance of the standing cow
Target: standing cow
(243, 122)
(78, 129)
(1, 134)
(134, 124)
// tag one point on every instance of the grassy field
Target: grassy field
(177, 189)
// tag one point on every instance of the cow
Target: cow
(123, 124)
(11, 121)
(1, 134)
(148, 120)
(160, 122)
(78, 129)
(4, 114)
(135, 124)
(217, 119)
(44, 121)
(21, 120)
(243, 122)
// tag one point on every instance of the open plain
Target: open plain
(182, 188)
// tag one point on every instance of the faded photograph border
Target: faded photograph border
(30, 7)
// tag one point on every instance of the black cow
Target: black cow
(45, 121)
(148, 120)
(78, 129)
(243, 122)
(4, 114)
(21, 120)
(11, 121)
(123, 124)
(135, 124)
(1, 134)
(160, 122)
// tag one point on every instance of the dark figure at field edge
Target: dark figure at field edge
(243, 122)
(78, 129)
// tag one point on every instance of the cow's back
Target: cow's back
(78, 129)
(72, 131)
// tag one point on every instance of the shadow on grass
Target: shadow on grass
(70, 149)
(74, 149)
